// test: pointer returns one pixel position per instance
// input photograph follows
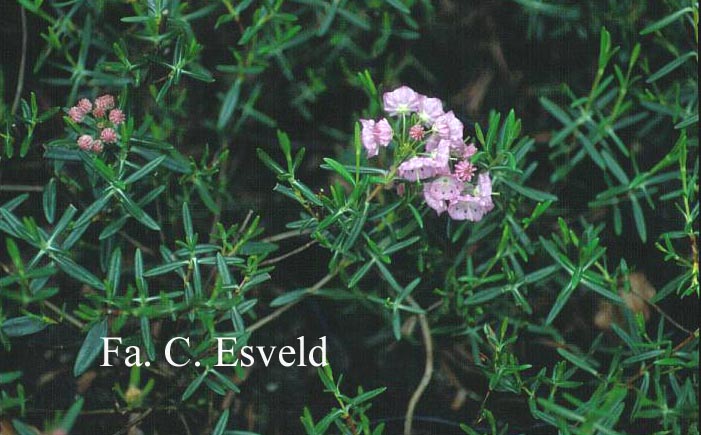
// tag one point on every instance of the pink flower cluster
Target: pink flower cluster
(107, 117)
(440, 159)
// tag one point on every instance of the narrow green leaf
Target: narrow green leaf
(615, 168)
(221, 423)
(165, 268)
(77, 271)
(269, 162)
(21, 326)
(49, 200)
(7, 377)
(564, 296)
(578, 361)
(93, 209)
(534, 194)
(194, 385)
(639, 218)
(92, 345)
(486, 295)
(147, 339)
(368, 395)
(229, 104)
(187, 224)
(399, 5)
(340, 170)
(22, 428)
(289, 297)
(72, 415)
(664, 22)
(137, 213)
(671, 66)
(145, 170)
(556, 111)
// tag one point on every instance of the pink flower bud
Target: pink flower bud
(416, 132)
(85, 142)
(464, 171)
(470, 151)
(77, 114)
(108, 135)
(105, 102)
(97, 146)
(85, 105)
(117, 117)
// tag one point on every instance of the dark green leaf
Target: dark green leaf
(91, 348)
(21, 326)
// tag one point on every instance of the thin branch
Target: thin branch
(289, 254)
(428, 369)
(184, 422)
(22, 63)
(72, 320)
(663, 314)
(20, 188)
(244, 224)
(285, 235)
(137, 243)
(691, 337)
(275, 314)
(134, 421)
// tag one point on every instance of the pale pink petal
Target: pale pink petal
(429, 109)
(401, 101)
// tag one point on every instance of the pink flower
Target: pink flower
(470, 150)
(85, 142)
(97, 146)
(85, 105)
(468, 208)
(117, 116)
(438, 205)
(432, 142)
(375, 135)
(473, 207)
(464, 170)
(484, 188)
(401, 101)
(416, 132)
(445, 188)
(439, 192)
(77, 114)
(108, 135)
(105, 102)
(429, 109)
(102, 105)
(448, 126)
(420, 168)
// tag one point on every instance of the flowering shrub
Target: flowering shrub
(470, 270)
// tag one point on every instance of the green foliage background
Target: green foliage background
(237, 203)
